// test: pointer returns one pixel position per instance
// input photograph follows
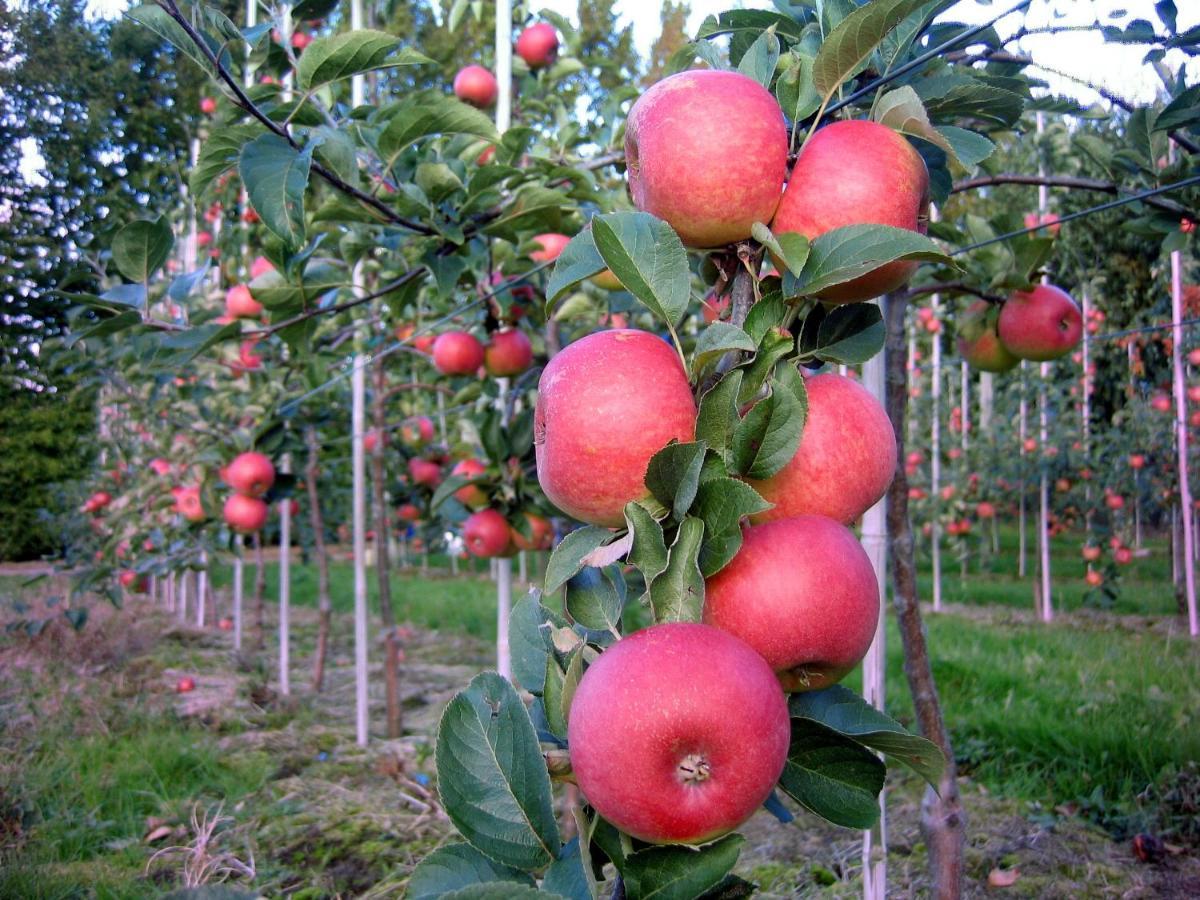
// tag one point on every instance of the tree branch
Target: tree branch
(340, 307)
(1066, 181)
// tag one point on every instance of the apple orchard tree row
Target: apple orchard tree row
(681, 663)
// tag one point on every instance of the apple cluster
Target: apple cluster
(1040, 324)
(250, 475)
(795, 609)
(537, 45)
(732, 133)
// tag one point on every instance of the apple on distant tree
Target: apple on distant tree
(486, 533)
(240, 303)
(476, 85)
(538, 45)
(188, 503)
(552, 245)
(471, 495)
(250, 473)
(417, 431)
(978, 341)
(245, 514)
(857, 172)
(1122, 556)
(801, 591)
(607, 281)
(605, 405)
(1093, 578)
(508, 352)
(185, 685)
(134, 583)
(543, 534)
(1041, 324)
(845, 461)
(208, 105)
(668, 758)
(225, 624)
(457, 353)
(424, 471)
(709, 182)
(408, 512)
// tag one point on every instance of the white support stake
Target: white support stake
(935, 457)
(874, 541)
(1181, 444)
(285, 586)
(202, 591)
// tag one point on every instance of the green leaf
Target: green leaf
(790, 247)
(594, 599)
(765, 315)
(456, 866)
(845, 254)
(849, 334)
(774, 346)
(552, 698)
(339, 56)
(832, 775)
(492, 778)
(567, 558)
(494, 890)
(902, 111)
(649, 550)
(184, 346)
(275, 175)
(529, 641)
(718, 417)
(720, 504)
(845, 712)
(1182, 112)
(423, 115)
(794, 87)
(673, 474)
(219, 154)
(760, 60)
(141, 247)
(766, 439)
(677, 595)
(647, 256)
(680, 873)
(157, 20)
(568, 875)
(718, 339)
(847, 47)
(579, 260)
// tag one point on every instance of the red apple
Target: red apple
(250, 216)
(1193, 393)
(1193, 357)
(857, 172)
(1041, 324)
(714, 307)
(543, 534)
(1094, 578)
(538, 45)
(300, 40)
(846, 458)
(133, 582)
(457, 353)
(160, 466)
(508, 353)
(188, 505)
(552, 247)
(208, 105)
(1137, 461)
(185, 685)
(1091, 552)
(417, 431)
(225, 624)
(476, 85)
(1114, 501)
(472, 495)
(1122, 556)
(251, 474)
(678, 733)
(245, 514)
(260, 266)
(607, 281)
(606, 404)
(801, 591)
(240, 303)
(486, 533)
(408, 512)
(706, 151)
(985, 510)
(371, 441)
(1048, 221)
(978, 342)
(422, 471)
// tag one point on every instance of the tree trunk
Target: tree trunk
(260, 590)
(383, 574)
(943, 822)
(318, 528)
